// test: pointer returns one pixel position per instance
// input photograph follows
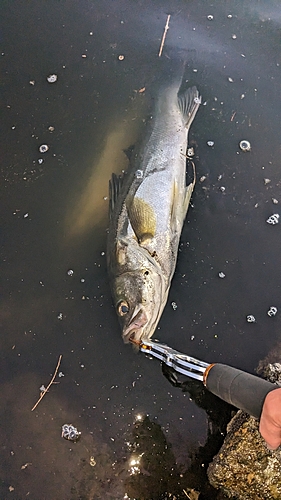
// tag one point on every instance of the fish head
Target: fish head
(137, 296)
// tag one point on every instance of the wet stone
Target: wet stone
(244, 468)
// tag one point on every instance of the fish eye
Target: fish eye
(123, 308)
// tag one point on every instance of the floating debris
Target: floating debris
(43, 392)
(274, 201)
(222, 189)
(210, 143)
(139, 174)
(92, 461)
(69, 432)
(273, 219)
(245, 145)
(272, 311)
(61, 374)
(121, 57)
(210, 17)
(190, 152)
(43, 148)
(230, 79)
(32, 82)
(51, 129)
(202, 178)
(221, 275)
(266, 181)
(164, 35)
(174, 305)
(233, 37)
(60, 316)
(25, 215)
(24, 466)
(70, 272)
(40, 161)
(52, 78)
(251, 319)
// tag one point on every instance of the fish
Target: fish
(147, 209)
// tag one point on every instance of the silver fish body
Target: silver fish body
(148, 206)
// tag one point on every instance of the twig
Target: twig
(164, 35)
(47, 388)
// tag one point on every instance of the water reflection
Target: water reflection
(91, 206)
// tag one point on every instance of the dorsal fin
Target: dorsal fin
(115, 186)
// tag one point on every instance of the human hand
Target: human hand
(270, 421)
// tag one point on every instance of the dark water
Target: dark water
(54, 219)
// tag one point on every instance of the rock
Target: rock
(244, 468)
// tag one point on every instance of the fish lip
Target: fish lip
(134, 330)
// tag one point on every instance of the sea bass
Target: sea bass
(148, 206)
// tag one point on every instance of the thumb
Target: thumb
(270, 421)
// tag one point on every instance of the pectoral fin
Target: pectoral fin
(142, 218)
(189, 190)
(178, 211)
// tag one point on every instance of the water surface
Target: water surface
(54, 219)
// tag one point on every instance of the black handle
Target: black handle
(240, 389)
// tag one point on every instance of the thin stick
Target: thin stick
(164, 36)
(52, 380)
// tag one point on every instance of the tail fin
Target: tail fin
(189, 102)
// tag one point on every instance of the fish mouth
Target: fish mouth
(134, 331)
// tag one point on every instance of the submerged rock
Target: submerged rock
(244, 468)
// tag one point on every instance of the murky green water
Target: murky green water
(54, 219)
